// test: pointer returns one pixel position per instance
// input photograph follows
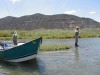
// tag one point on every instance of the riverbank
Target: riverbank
(49, 33)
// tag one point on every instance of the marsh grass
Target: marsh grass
(49, 33)
(54, 47)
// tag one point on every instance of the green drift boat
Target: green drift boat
(22, 52)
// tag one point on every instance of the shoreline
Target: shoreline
(50, 34)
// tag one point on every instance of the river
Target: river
(82, 60)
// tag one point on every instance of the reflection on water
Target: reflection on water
(76, 54)
(32, 67)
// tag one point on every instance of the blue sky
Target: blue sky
(81, 8)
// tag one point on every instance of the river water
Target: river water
(82, 60)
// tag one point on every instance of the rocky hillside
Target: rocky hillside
(38, 21)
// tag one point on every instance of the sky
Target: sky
(81, 8)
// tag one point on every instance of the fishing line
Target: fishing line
(6, 6)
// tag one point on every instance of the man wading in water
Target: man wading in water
(76, 36)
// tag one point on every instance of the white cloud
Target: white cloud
(14, 1)
(70, 11)
(92, 12)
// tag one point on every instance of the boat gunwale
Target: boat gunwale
(1, 50)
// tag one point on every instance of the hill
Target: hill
(38, 21)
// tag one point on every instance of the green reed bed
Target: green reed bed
(46, 34)
(54, 47)
(89, 33)
(49, 33)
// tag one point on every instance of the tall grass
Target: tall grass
(49, 34)
(54, 47)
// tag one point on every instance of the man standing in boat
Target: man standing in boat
(14, 37)
(76, 35)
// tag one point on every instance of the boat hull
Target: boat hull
(23, 59)
(23, 52)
